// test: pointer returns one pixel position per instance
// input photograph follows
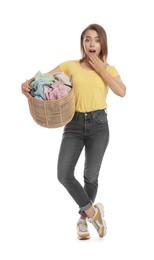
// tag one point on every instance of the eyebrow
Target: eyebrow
(90, 37)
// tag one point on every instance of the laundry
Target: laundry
(57, 91)
(37, 90)
(46, 76)
(46, 86)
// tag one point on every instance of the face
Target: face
(91, 42)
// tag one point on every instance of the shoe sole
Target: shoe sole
(100, 207)
(83, 237)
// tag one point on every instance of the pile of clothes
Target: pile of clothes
(46, 86)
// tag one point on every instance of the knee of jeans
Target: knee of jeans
(91, 179)
(60, 176)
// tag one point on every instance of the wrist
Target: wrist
(31, 80)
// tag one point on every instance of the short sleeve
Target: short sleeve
(112, 70)
(65, 67)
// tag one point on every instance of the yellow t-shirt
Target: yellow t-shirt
(90, 89)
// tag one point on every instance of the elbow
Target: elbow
(122, 93)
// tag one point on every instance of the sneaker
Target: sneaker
(98, 220)
(82, 229)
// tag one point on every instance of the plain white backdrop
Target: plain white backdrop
(37, 216)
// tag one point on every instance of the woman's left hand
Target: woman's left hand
(97, 64)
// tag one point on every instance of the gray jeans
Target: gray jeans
(89, 130)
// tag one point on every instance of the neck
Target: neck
(85, 63)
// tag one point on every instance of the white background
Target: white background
(37, 215)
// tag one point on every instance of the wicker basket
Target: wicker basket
(53, 113)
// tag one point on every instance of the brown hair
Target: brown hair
(103, 39)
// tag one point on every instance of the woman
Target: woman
(91, 78)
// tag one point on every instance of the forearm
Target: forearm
(114, 83)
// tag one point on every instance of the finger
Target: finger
(92, 56)
(96, 60)
(91, 63)
(27, 94)
(25, 89)
(28, 84)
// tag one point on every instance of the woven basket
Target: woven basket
(53, 113)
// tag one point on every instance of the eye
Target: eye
(97, 40)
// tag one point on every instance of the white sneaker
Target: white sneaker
(98, 220)
(82, 229)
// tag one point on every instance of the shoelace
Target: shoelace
(82, 226)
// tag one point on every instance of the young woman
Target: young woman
(91, 77)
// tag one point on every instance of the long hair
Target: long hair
(102, 36)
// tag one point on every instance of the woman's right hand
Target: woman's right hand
(25, 88)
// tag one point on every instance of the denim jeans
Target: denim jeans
(90, 131)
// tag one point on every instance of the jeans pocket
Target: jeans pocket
(100, 116)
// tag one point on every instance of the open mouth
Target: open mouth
(92, 51)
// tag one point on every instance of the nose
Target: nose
(91, 43)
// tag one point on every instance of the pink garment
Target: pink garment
(58, 90)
